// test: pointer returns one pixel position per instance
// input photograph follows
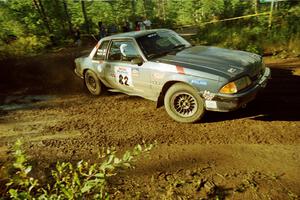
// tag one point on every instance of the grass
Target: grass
(67, 181)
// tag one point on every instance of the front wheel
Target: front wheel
(92, 83)
(183, 103)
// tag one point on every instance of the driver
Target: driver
(123, 49)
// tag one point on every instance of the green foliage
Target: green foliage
(68, 181)
(254, 35)
(18, 19)
(24, 184)
(38, 24)
(28, 45)
(9, 25)
(212, 8)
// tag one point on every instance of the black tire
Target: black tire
(183, 103)
(92, 83)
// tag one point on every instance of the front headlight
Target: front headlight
(236, 86)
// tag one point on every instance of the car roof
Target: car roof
(134, 34)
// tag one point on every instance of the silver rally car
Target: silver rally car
(162, 66)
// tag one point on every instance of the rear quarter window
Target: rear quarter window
(101, 51)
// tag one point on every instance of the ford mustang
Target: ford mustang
(160, 65)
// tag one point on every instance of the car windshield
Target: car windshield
(161, 43)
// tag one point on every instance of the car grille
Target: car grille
(257, 72)
(257, 76)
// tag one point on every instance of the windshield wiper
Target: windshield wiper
(158, 54)
(178, 46)
(163, 53)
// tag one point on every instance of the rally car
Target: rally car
(160, 65)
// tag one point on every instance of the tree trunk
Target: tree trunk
(40, 8)
(133, 8)
(60, 15)
(164, 10)
(161, 9)
(145, 8)
(255, 6)
(67, 17)
(86, 21)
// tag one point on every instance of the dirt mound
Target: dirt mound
(50, 73)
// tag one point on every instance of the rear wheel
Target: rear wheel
(92, 83)
(183, 103)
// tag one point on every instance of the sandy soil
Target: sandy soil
(252, 153)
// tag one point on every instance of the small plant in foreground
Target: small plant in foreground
(68, 181)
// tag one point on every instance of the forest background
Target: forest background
(29, 27)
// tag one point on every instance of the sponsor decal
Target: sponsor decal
(113, 75)
(232, 70)
(207, 95)
(135, 72)
(123, 76)
(199, 82)
(180, 70)
(154, 82)
(158, 75)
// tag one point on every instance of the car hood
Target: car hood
(219, 61)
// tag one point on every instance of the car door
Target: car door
(122, 73)
(99, 62)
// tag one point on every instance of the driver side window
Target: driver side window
(123, 51)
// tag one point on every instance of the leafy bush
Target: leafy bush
(68, 181)
(254, 35)
(28, 45)
(293, 45)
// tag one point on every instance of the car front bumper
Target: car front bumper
(225, 102)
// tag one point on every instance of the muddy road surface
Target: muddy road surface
(252, 153)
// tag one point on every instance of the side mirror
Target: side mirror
(137, 61)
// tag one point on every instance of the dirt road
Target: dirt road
(252, 153)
